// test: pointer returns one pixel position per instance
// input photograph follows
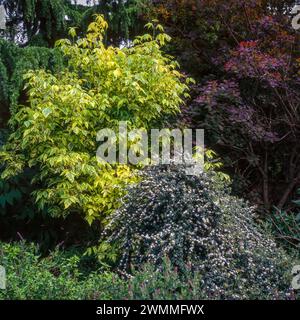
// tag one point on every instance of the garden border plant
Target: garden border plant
(56, 133)
(194, 220)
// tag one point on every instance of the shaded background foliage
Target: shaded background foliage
(14, 63)
(37, 22)
(244, 55)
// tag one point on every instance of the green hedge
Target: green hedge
(66, 276)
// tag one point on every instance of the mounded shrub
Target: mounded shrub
(192, 220)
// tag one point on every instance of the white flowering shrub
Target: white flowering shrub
(190, 220)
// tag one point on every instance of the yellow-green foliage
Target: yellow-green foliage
(56, 133)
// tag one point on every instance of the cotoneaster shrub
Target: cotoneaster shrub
(191, 220)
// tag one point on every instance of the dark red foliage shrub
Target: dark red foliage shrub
(245, 55)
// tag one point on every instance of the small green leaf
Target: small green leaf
(46, 112)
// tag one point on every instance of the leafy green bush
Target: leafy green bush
(66, 276)
(56, 133)
(56, 277)
(192, 221)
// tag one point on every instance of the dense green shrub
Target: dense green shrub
(191, 220)
(63, 275)
(56, 277)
